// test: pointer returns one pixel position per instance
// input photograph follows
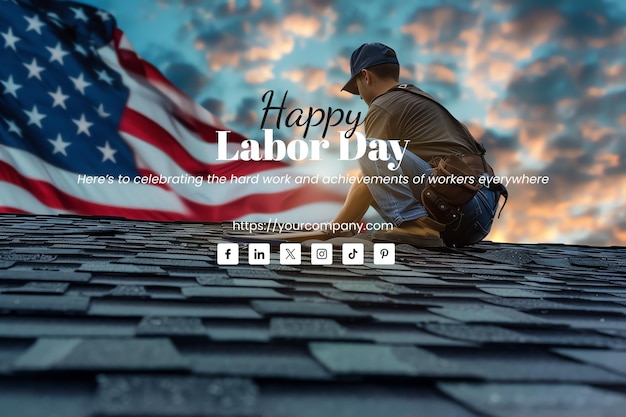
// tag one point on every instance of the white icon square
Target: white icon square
(321, 253)
(290, 254)
(259, 253)
(384, 253)
(352, 253)
(227, 254)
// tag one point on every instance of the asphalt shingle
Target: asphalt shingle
(110, 317)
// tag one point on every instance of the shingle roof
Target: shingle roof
(111, 317)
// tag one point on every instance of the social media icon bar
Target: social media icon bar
(259, 253)
(290, 254)
(321, 253)
(352, 253)
(227, 254)
(384, 254)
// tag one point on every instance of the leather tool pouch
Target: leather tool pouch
(454, 185)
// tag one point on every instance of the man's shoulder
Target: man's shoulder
(403, 92)
(414, 92)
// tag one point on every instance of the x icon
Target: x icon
(290, 253)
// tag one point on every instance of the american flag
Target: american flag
(78, 102)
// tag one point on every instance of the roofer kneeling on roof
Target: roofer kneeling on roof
(425, 213)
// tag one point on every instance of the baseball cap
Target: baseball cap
(367, 56)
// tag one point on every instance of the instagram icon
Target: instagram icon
(321, 253)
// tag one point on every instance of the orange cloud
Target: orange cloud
(301, 25)
(592, 130)
(438, 21)
(278, 44)
(534, 136)
(496, 118)
(533, 28)
(344, 64)
(436, 72)
(405, 73)
(311, 78)
(334, 90)
(617, 70)
(219, 59)
(259, 75)
(500, 70)
(535, 213)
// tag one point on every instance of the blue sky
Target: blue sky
(542, 83)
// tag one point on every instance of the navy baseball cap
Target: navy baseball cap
(367, 56)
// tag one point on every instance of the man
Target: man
(401, 111)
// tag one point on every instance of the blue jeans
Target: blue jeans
(398, 203)
(477, 219)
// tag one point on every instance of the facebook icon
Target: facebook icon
(227, 254)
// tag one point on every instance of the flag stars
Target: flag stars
(79, 13)
(59, 98)
(13, 127)
(10, 87)
(34, 24)
(9, 39)
(101, 112)
(34, 117)
(103, 76)
(108, 153)
(103, 15)
(59, 145)
(57, 53)
(83, 125)
(55, 19)
(79, 83)
(79, 48)
(34, 70)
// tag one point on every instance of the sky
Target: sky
(541, 83)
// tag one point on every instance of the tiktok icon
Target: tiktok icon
(352, 253)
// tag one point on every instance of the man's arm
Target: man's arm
(359, 199)
(357, 202)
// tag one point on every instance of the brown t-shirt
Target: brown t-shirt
(431, 130)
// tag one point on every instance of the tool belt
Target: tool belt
(455, 183)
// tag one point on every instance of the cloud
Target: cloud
(334, 90)
(187, 77)
(438, 79)
(580, 24)
(275, 43)
(223, 48)
(556, 212)
(232, 8)
(529, 88)
(564, 109)
(439, 29)
(502, 150)
(541, 81)
(301, 25)
(247, 113)
(259, 74)
(214, 105)
(311, 78)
